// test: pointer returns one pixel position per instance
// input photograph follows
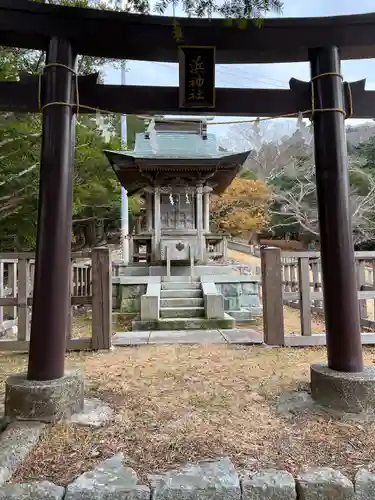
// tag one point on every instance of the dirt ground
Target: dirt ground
(176, 404)
(292, 321)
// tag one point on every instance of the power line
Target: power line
(243, 76)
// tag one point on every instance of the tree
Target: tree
(96, 191)
(96, 208)
(242, 208)
(286, 164)
(295, 204)
(240, 9)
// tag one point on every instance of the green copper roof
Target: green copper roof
(176, 145)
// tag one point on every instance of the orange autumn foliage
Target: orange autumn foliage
(242, 209)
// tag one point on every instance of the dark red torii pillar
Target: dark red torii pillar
(49, 322)
(344, 347)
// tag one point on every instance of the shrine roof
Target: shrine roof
(167, 156)
(176, 145)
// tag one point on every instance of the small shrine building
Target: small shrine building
(178, 276)
(177, 165)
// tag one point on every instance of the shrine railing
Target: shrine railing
(90, 286)
(294, 279)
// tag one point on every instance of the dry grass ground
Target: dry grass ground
(183, 403)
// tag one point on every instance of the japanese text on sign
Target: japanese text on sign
(197, 77)
(196, 80)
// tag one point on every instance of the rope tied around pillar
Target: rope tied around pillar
(338, 110)
(57, 103)
(77, 105)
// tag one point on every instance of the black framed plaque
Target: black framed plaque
(197, 77)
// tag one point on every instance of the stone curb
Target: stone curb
(16, 442)
(207, 480)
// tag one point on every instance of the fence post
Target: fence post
(361, 279)
(12, 283)
(272, 296)
(23, 295)
(101, 299)
(70, 308)
(304, 295)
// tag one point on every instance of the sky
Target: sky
(258, 75)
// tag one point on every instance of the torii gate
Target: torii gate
(65, 31)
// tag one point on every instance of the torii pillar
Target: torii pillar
(344, 383)
(47, 392)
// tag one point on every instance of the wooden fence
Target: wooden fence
(295, 279)
(91, 285)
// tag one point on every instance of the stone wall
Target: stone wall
(207, 480)
(241, 299)
(130, 298)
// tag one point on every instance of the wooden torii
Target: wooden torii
(64, 32)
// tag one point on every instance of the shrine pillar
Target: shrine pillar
(48, 393)
(199, 221)
(344, 384)
(157, 223)
(149, 210)
(336, 240)
(206, 208)
(125, 226)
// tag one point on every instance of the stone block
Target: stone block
(249, 301)
(364, 483)
(132, 291)
(45, 401)
(95, 414)
(132, 305)
(231, 303)
(324, 484)
(250, 288)
(109, 480)
(38, 490)
(231, 289)
(345, 392)
(269, 485)
(211, 479)
(149, 307)
(214, 306)
(16, 442)
(241, 315)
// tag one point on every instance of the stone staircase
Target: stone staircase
(182, 308)
(182, 301)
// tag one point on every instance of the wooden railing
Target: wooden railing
(90, 286)
(295, 279)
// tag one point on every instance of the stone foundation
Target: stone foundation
(344, 392)
(45, 401)
(241, 298)
(130, 300)
(210, 479)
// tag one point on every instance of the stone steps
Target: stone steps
(182, 312)
(181, 285)
(182, 302)
(179, 306)
(181, 293)
(170, 279)
(184, 324)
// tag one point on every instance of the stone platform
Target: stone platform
(214, 336)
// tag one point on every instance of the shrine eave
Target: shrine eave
(150, 38)
(135, 173)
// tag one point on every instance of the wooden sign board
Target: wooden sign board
(197, 77)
